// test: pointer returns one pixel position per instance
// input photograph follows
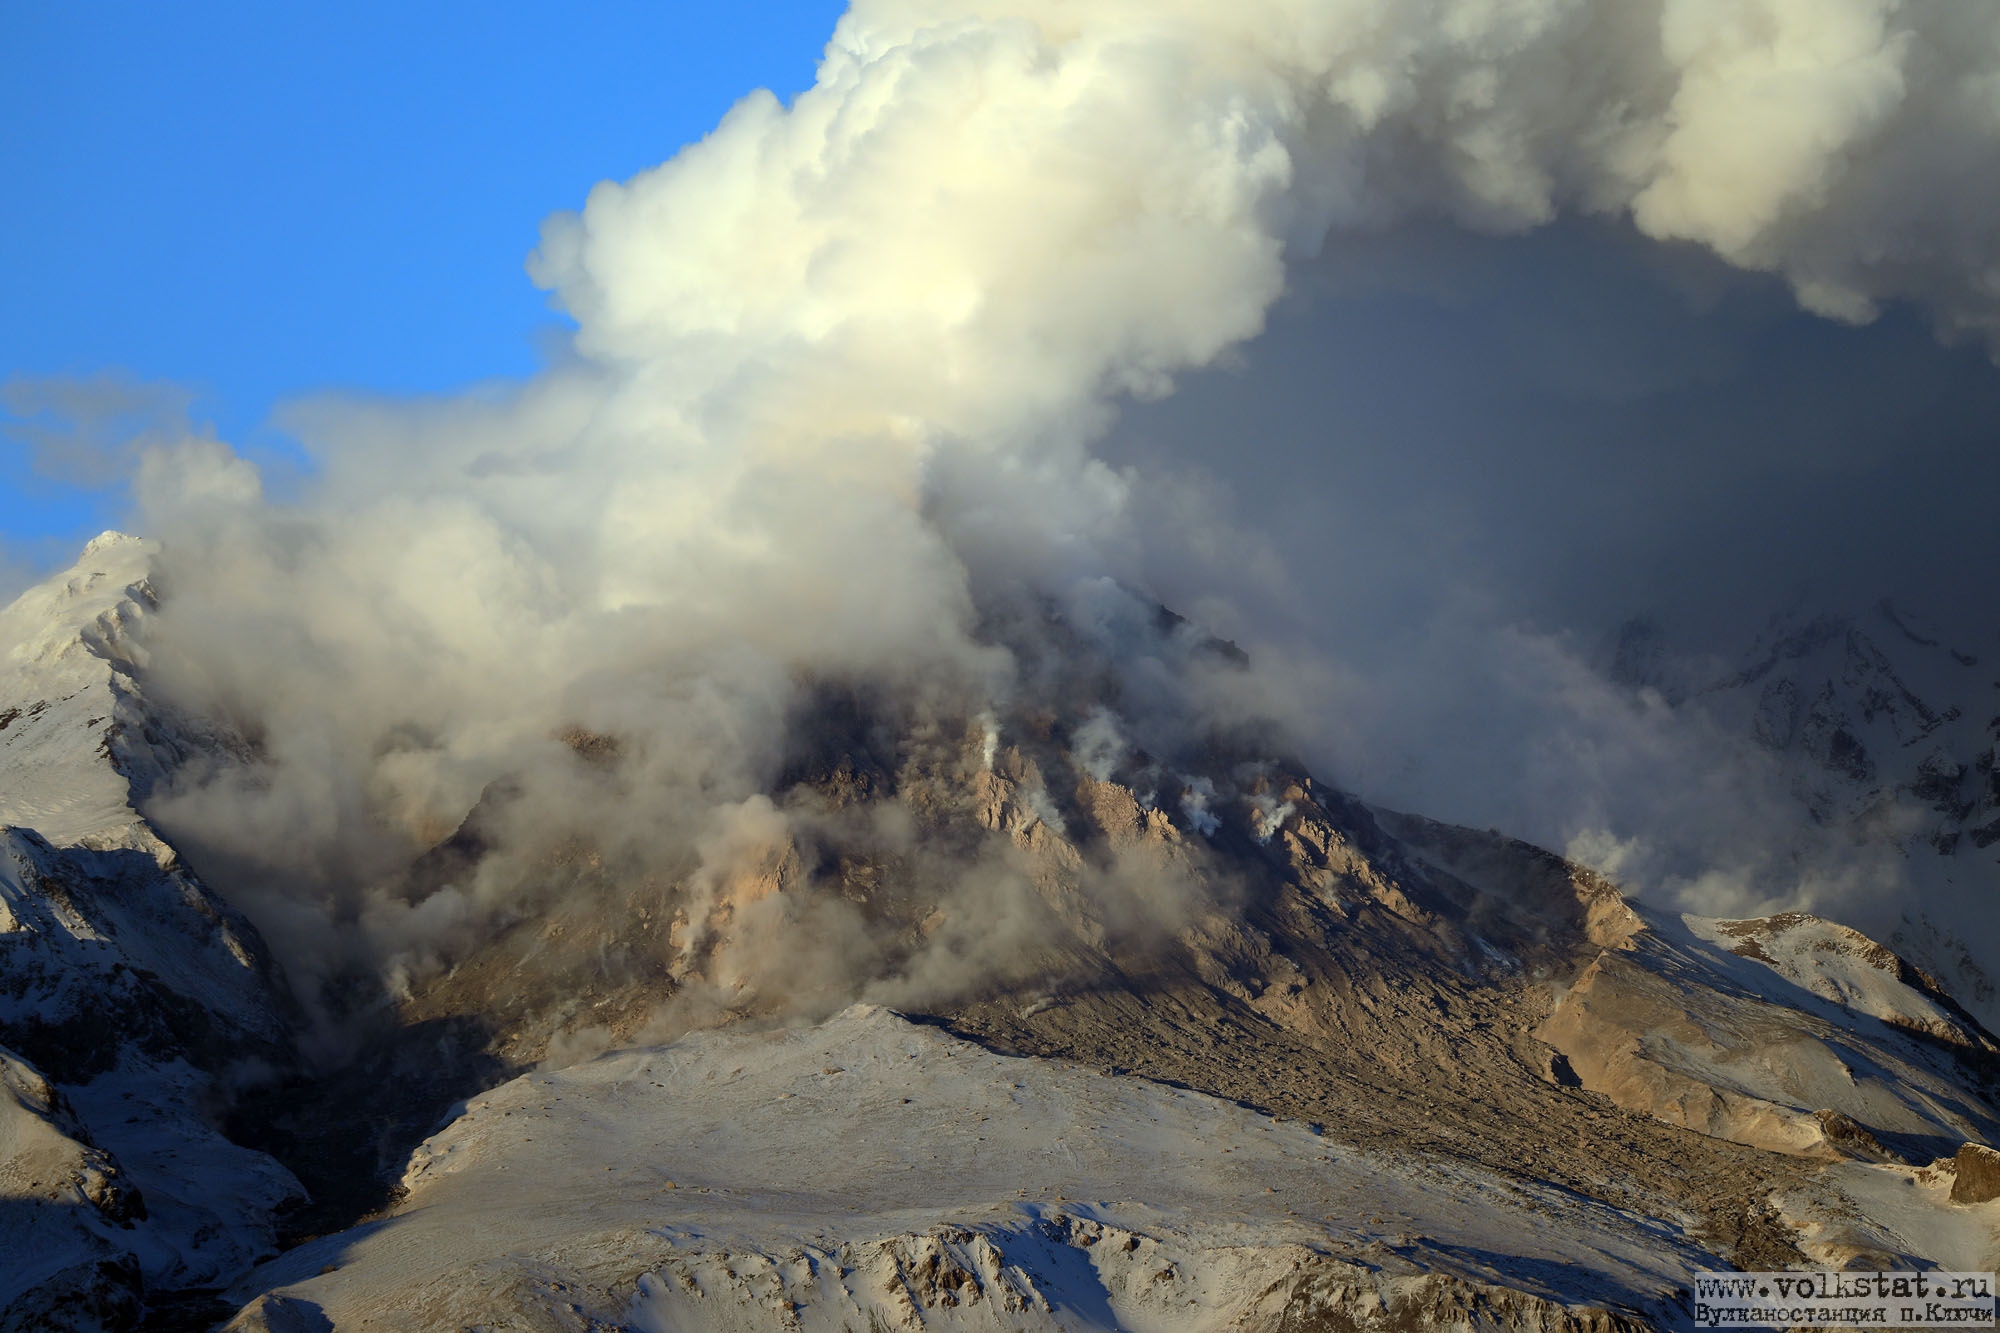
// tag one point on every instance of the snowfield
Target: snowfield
(874, 1172)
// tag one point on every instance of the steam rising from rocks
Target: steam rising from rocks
(838, 372)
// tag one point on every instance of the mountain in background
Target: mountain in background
(1141, 1042)
(1887, 735)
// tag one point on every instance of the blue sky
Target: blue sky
(256, 201)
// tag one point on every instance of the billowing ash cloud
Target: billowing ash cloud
(840, 369)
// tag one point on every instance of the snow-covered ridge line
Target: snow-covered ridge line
(1840, 964)
(130, 995)
(68, 652)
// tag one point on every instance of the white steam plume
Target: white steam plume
(840, 365)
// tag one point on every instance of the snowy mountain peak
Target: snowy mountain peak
(70, 653)
(88, 604)
(112, 540)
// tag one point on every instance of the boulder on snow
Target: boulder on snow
(1978, 1175)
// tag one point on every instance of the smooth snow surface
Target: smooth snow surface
(827, 1177)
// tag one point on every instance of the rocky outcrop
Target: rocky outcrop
(1975, 1174)
(955, 1278)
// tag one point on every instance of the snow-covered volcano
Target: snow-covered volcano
(1143, 1041)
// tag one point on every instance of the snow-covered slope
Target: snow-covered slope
(124, 981)
(1840, 964)
(1891, 1218)
(68, 695)
(65, 1213)
(872, 1172)
(1789, 1034)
